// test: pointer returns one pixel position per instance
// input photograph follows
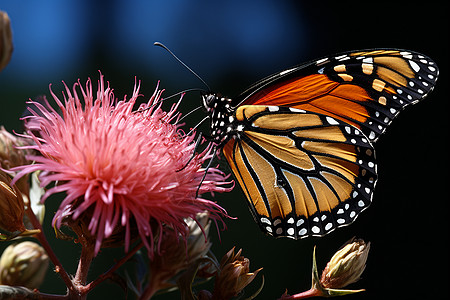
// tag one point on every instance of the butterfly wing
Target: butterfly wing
(366, 89)
(303, 173)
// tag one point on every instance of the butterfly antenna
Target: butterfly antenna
(182, 63)
(199, 123)
(192, 111)
(184, 92)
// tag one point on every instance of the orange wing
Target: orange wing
(366, 89)
(303, 173)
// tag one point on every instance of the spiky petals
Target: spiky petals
(123, 167)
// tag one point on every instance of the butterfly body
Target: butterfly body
(300, 142)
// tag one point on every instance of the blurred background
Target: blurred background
(232, 44)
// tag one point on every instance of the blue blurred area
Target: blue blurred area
(55, 38)
(224, 41)
(231, 44)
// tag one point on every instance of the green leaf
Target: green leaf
(258, 291)
(186, 280)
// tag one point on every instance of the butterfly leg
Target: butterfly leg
(206, 172)
(197, 145)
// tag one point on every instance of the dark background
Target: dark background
(231, 44)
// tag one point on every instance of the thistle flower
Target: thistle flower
(234, 275)
(23, 264)
(176, 256)
(120, 169)
(344, 268)
(346, 265)
(11, 156)
(6, 45)
(11, 209)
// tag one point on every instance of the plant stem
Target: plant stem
(108, 273)
(307, 294)
(45, 244)
(150, 289)
(20, 292)
(87, 255)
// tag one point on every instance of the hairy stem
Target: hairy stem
(45, 244)
(307, 294)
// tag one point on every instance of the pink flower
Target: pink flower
(122, 167)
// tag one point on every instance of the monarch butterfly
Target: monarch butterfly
(300, 142)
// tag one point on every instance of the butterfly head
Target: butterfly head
(220, 113)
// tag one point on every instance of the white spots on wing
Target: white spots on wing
(273, 108)
(332, 121)
(406, 54)
(348, 129)
(414, 66)
(265, 220)
(296, 110)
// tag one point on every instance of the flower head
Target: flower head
(174, 257)
(6, 45)
(23, 264)
(346, 265)
(121, 169)
(344, 268)
(234, 275)
(11, 209)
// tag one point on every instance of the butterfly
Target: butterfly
(300, 142)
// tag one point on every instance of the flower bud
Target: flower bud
(11, 209)
(173, 255)
(234, 275)
(344, 268)
(6, 45)
(346, 265)
(176, 254)
(11, 157)
(23, 264)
